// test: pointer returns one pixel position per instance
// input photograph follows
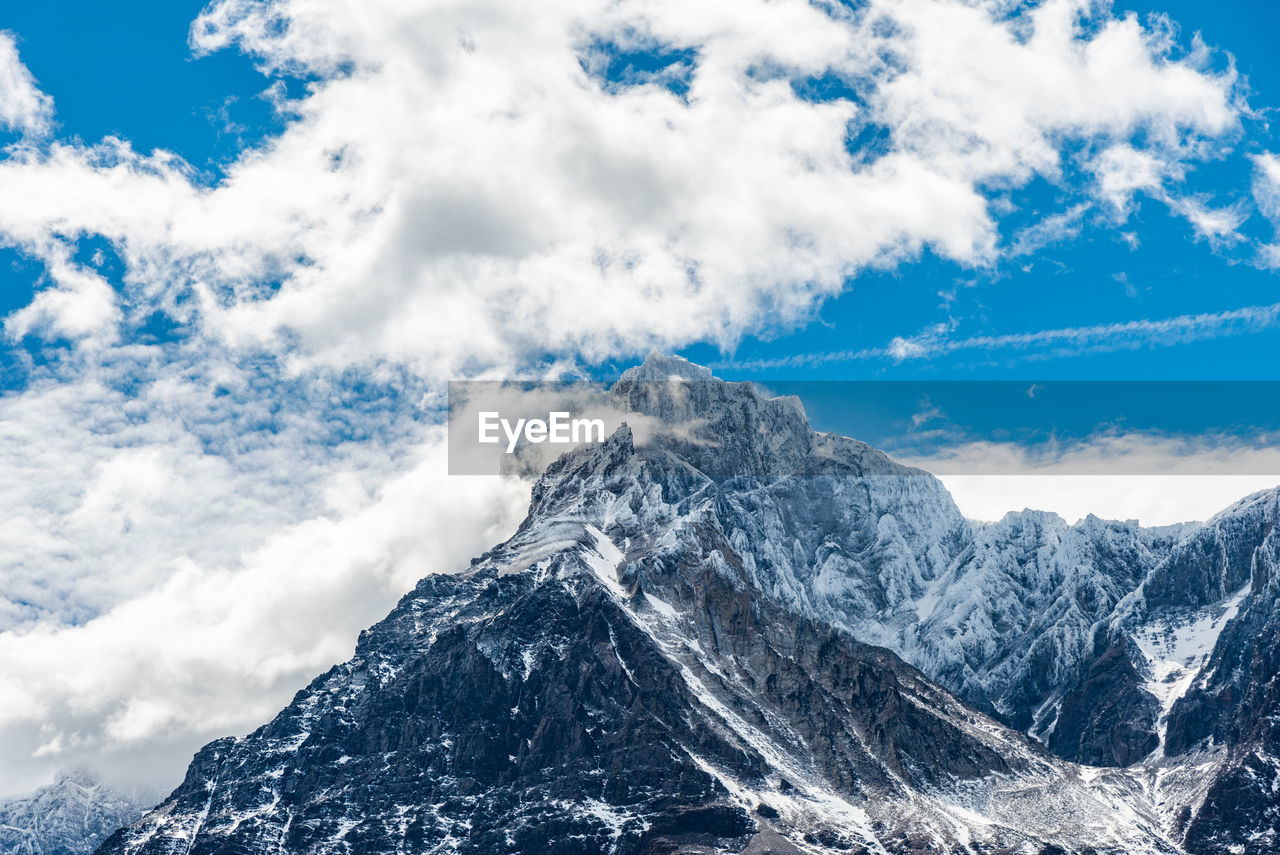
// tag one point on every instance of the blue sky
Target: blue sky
(244, 245)
(127, 70)
(130, 72)
(1094, 279)
(148, 88)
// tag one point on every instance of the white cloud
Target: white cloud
(1156, 480)
(995, 98)
(1122, 171)
(460, 192)
(1266, 195)
(23, 107)
(1150, 499)
(1266, 185)
(1218, 225)
(1055, 228)
(81, 306)
(213, 649)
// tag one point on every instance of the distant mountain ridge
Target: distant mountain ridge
(69, 817)
(747, 636)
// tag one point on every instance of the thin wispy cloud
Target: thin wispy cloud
(1266, 195)
(1053, 229)
(1163, 332)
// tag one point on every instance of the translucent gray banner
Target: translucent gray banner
(958, 427)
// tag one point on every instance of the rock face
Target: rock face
(1106, 716)
(1233, 701)
(739, 635)
(69, 817)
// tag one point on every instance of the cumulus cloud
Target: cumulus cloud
(213, 649)
(189, 536)
(81, 306)
(464, 186)
(113, 470)
(1122, 171)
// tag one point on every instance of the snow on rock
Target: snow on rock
(1177, 650)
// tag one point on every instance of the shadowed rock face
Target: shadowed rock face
(453, 750)
(1235, 704)
(461, 740)
(671, 655)
(1214, 590)
(1106, 717)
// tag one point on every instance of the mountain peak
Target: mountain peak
(80, 776)
(673, 654)
(658, 366)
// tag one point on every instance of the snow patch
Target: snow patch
(603, 561)
(1176, 652)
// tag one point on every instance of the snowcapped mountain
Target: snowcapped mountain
(739, 635)
(69, 817)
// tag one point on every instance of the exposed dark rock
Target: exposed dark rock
(1240, 812)
(1107, 719)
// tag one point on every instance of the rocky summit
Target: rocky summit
(737, 634)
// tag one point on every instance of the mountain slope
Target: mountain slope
(1233, 701)
(670, 656)
(566, 696)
